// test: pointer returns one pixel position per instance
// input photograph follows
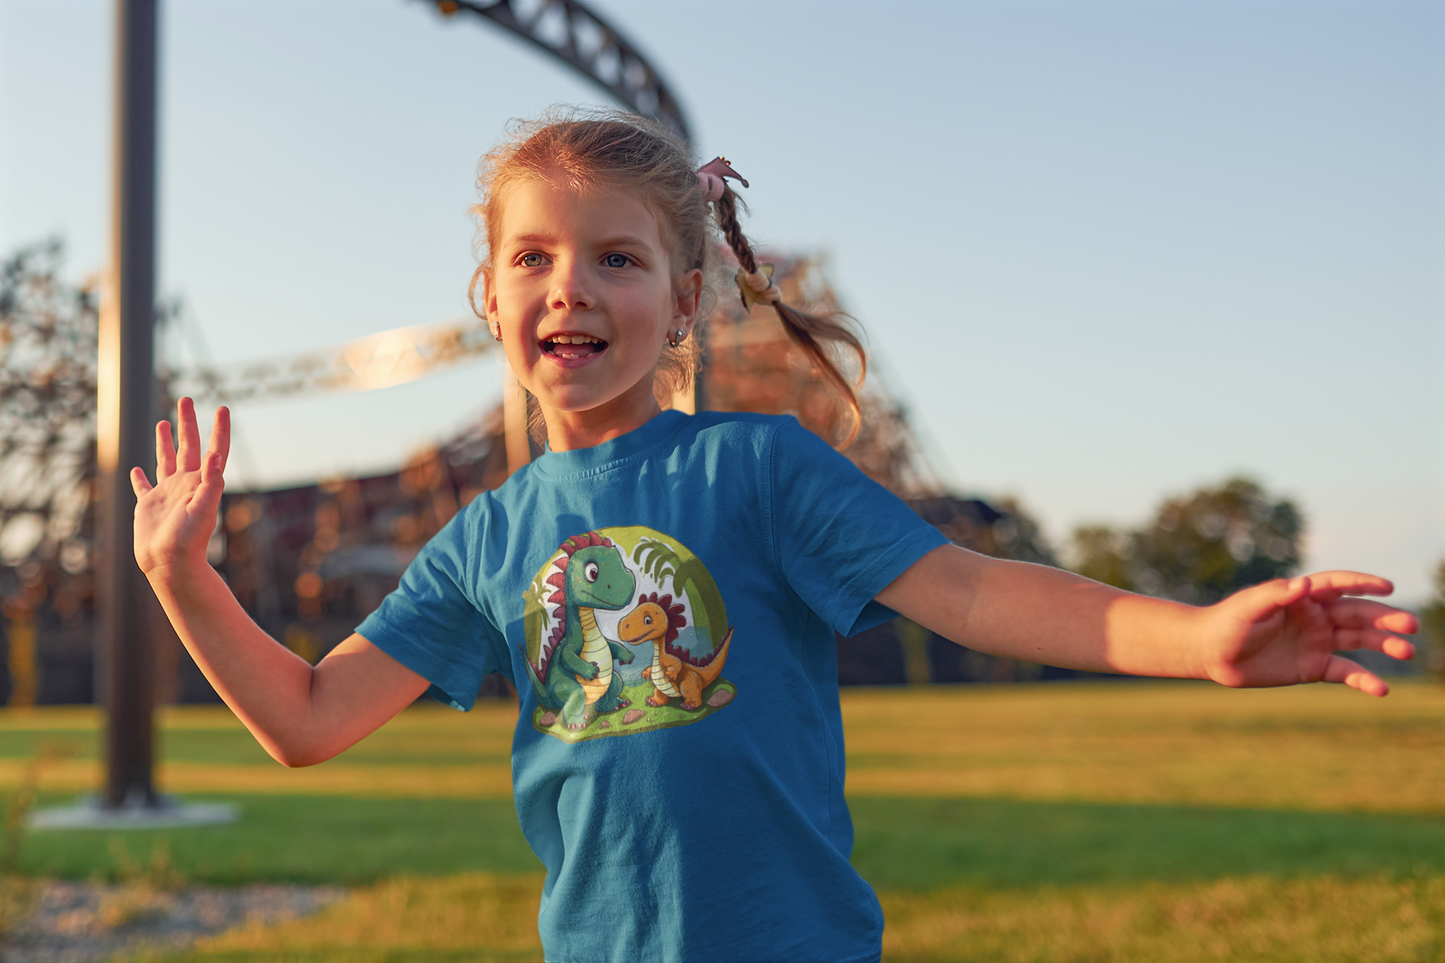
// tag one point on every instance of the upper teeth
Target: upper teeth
(575, 339)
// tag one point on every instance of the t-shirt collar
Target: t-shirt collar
(623, 447)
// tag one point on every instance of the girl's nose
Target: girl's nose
(570, 287)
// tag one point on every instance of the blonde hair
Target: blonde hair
(613, 149)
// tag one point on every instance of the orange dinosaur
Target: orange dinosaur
(674, 672)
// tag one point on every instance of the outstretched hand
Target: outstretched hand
(1287, 631)
(174, 518)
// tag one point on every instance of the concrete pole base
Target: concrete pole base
(164, 813)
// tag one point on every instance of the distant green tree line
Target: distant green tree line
(1432, 624)
(1197, 548)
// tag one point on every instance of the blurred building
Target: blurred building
(308, 563)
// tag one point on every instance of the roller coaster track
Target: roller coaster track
(375, 361)
(570, 32)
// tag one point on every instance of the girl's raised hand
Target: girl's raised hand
(1287, 631)
(174, 518)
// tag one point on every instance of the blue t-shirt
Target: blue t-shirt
(666, 604)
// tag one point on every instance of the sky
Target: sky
(1106, 253)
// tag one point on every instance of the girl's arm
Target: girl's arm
(300, 714)
(1276, 633)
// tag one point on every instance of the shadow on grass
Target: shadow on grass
(915, 845)
(302, 839)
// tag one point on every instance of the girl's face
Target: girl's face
(583, 294)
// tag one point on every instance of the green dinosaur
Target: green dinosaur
(575, 665)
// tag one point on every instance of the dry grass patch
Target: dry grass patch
(1238, 919)
(472, 916)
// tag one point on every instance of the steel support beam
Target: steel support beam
(125, 393)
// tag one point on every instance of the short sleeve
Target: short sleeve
(839, 537)
(434, 625)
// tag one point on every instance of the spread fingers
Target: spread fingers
(1356, 613)
(1376, 640)
(165, 452)
(1326, 586)
(1344, 671)
(220, 437)
(188, 457)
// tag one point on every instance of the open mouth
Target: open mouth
(573, 347)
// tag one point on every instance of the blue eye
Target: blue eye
(617, 260)
(530, 260)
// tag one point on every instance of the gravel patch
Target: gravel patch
(71, 922)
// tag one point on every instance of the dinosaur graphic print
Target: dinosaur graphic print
(604, 598)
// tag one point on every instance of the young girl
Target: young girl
(664, 588)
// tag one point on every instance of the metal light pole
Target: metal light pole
(126, 384)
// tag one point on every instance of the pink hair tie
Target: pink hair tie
(710, 178)
(712, 187)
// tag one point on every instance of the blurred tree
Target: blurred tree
(1104, 554)
(1198, 548)
(47, 464)
(1016, 535)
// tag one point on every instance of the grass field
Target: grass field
(1099, 821)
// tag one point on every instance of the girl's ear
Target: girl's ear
(489, 296)
(689, 298)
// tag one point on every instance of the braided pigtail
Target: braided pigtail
(817, 334)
